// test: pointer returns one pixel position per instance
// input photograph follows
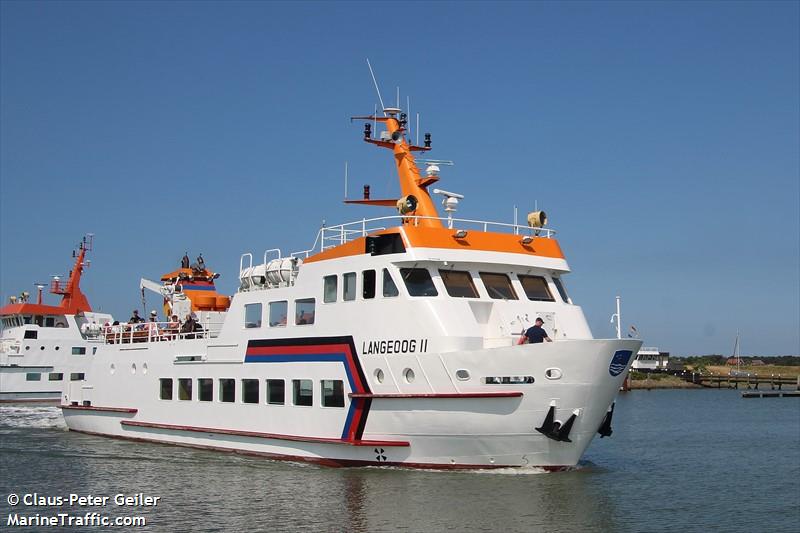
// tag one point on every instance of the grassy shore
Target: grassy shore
(641, 381)
(761, 370)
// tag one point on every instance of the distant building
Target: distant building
(757, 362)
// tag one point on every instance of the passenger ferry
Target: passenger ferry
(393, 341)
(42, 346)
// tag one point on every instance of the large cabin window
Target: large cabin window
(227, 390)
(561, 290)
(205, 389)
(418, 282)
(536, 288)
(368, 284)
(329, 289)
(498, 286)
(166, 388)
(276, 391)
(185, 389)
(277, 313)
(458, 283)
(304, 311)
(332, 393)
(252, 315)
(33, 376)
(389, 288)
(349, 286)
(250, 391)
(303, 392)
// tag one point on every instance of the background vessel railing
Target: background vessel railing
(331, 236)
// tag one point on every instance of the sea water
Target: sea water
(679, 460)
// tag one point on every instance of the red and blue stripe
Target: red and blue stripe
(317, 350)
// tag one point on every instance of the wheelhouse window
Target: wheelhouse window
(205, 389)
(458, 283)
(329, 289)
(332, 393)
(278, 312)
(561, 290)
(166, 388)
(304, 311)
(498, 286)
(184, 389)
(368, 284)
(303, 392)
(49, 321)
(389, 288)
(349, 286)
(276, 391)
(418, 282)
(536, 288)
(252, 315)
(250, 391)
(227, 390)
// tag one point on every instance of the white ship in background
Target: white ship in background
(393, 341)
(42, 346)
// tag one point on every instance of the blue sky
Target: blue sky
(661, 138)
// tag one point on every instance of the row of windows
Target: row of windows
(331, 391)
(39, 320)
(418, 281)
(54, 376)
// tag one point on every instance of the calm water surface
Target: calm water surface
(679, 460)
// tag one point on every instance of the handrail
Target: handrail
(145, 332)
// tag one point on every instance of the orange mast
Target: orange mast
(73, 301)
(416, 200)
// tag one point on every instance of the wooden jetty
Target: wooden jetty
(771, 394)
(751, 382)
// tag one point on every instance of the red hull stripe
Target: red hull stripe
(455, 395)
(103, 409)
(273, 436)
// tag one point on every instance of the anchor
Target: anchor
(605, 427)
(552, 429)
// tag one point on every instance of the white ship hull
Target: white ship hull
(451, 425)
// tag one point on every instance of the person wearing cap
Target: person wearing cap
(536, 333)
(152, 326)
(135, 319)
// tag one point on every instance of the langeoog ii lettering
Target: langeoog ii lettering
(394, 346)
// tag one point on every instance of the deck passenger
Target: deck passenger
(536, 334)
(135, 319)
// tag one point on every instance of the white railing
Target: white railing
(330, 236)
(156, 331)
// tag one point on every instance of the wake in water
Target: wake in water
(30, 416)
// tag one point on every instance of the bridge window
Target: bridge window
(227, 390)
(332, 393)
(166, 388)
(368, 284)
(418, 282)
(276, 391)
(303, 392)
(536, 288)
(329, 289)
(277, 313)
(561, 290)
(49, 321)
(33, 376)
(458, 283)
(304, 311)
(250, 391)
(184, 389)
(349, 286)
(389, 288)
(252, 315)
(205, 389)
(498, 286)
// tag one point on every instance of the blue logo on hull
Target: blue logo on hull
(619, 362)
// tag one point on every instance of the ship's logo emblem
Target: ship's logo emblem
(379, 455)
(619, 362)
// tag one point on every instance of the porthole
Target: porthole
(41, 347)
(27, 347)
(144, 368)
(133, 368)
(379, 375)
(462, 375)
(112, 368)
(57, 348)
(553, 373)
(409, 376)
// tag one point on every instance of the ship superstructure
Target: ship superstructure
(392, 341)
(42, 346)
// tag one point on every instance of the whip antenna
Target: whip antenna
(376, 86)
